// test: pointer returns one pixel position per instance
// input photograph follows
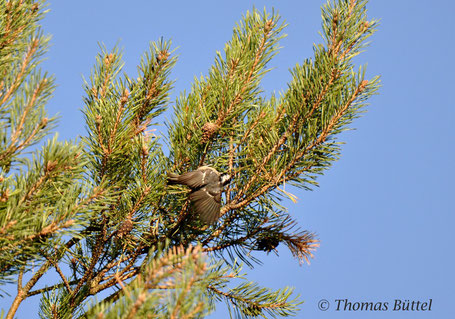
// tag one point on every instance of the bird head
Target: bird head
(225, 179)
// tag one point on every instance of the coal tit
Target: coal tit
(206, 185)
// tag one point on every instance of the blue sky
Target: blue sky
(384, 211)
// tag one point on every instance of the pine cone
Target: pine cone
(125, 228)
(268, 243)
(208, 130)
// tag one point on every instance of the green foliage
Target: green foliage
(42, 197)
(24, 88)
(100, 212)
(249, 300)
(171, 285)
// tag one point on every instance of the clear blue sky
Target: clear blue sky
(384, 212)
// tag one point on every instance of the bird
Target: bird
(206, 185)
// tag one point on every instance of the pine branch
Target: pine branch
(249, 301)
(174, 275)
(206, 113)
(24, 291)
(60, 273)
(287, 140)
(50, 288)
(23, 89)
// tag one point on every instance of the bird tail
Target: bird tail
(173, 178)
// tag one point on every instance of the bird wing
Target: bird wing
(207, 205)
(192, 179)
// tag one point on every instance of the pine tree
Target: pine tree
(100, 211)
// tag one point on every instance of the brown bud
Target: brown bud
(268, 26)
(363, 84)
(35, 7)
(50, 165)
(4, 197)
(44, 122)
(335, 20)
(162, 56)
(364, 26)
(108, 59)
(98, 120)
(145, 150)
(125, 96)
